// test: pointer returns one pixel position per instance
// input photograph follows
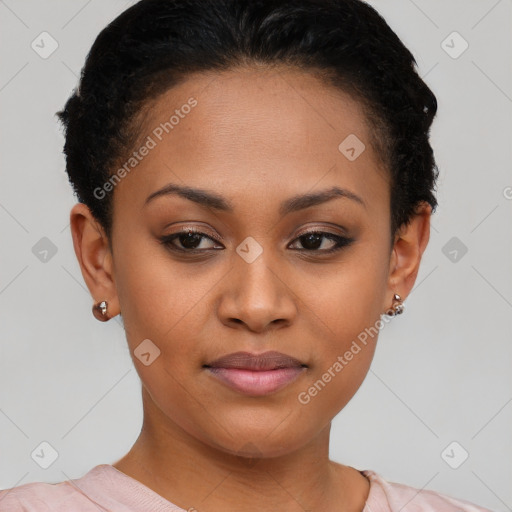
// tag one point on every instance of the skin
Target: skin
(256, 137)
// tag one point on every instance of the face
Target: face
(290, 252)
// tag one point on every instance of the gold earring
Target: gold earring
(99, 310)
(397, 308)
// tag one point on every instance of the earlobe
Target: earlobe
(408, 250)
(94, 256)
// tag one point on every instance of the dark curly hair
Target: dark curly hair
(156, 44)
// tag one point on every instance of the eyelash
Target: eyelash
(341, 242)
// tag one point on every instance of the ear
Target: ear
(94, 257)
(410, 243)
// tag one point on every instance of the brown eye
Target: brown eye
(188, 241)
(314, 241)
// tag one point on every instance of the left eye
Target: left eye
(313, 240)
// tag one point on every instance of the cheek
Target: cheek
(163, 302)
(157, 297)
(347, 297)
(169, 303)
(345, 352)
(345, 316)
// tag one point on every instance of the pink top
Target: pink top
(106, 489)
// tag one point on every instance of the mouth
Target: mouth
(256, 374)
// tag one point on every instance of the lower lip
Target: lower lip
(256, 383)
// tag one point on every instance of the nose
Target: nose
(256, 296)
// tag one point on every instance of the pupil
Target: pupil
(312, 240)
(189, 240)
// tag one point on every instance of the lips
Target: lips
(256, 362)
(256, 374)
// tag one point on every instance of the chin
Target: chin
(275, 439)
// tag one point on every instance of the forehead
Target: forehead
(277, 131)
(285, 109)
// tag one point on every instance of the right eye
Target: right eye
(188, 241)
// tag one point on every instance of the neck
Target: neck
(194, 475)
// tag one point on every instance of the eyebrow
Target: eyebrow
(214, 201)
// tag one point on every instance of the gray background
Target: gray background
(441, 372)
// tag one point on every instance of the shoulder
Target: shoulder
(46, 497)
(35, 496)
(387, 496)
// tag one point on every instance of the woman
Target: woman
(256, 184)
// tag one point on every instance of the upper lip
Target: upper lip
(246, 361)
